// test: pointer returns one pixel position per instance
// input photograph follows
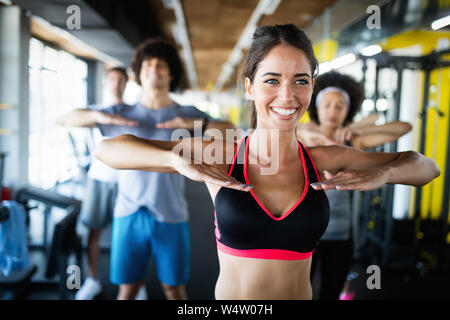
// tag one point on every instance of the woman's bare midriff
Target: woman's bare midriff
(263, 279)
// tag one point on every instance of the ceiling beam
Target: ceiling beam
(264, 7)
(95, 30)
(180, 34)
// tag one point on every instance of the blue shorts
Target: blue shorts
(138, 236)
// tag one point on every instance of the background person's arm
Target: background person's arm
(374, 136)
(365, 122)
(189, 123)
(310, 134)
(90, 118)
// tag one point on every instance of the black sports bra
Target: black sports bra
(245, 228)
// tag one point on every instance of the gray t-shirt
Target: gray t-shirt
(340, 215)
(161, 193)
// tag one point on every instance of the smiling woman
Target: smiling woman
(272, 79)
(285, 94)
(267, 226)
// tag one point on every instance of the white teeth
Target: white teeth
(284, 112)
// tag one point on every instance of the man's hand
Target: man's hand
(113, 119)
(179, 122)
(90, 118)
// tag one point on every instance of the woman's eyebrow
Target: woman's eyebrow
(302, 75)
(274, 74)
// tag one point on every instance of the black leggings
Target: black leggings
(333, 260)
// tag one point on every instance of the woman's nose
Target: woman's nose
(285, 92)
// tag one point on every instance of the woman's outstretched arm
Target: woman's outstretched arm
(183, 156)
(352, 169)
(134, 153)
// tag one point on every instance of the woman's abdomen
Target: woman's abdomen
(263, 279)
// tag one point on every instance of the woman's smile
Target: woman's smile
(284, 113)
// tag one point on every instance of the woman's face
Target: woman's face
(281, 88)
(332, 110)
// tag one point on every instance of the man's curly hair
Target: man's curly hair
(162, 49)
(354, 89)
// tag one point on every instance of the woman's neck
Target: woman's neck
(328, 131)
(268, 145)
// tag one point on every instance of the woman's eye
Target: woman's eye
(271, 81)
(301, 82)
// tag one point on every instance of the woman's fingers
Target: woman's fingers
(213, 175)
(332, 180)
(334, 184)
(354, 180)
(207, 173)
(232, 184)
(346, 178)
(328, 175)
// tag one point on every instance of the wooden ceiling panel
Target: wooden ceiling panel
(214, 27)
(209, 64)
(299, 12)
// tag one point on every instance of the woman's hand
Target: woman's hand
(362, 180)
(204, 172)
(345, 134)
(358, 170)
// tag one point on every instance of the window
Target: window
(57, 85)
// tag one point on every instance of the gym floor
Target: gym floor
(395, 285)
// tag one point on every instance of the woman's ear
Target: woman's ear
(248, 89)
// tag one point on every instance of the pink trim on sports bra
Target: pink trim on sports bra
(314, 165)
(305, 189)
(235, 156)
(276, 254)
